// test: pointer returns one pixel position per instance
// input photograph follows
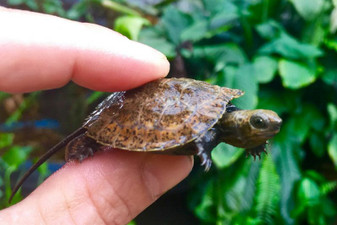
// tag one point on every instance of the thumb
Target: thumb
(110, 188)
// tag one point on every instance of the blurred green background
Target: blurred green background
(282, 53)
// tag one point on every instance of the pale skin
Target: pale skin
(40, 52)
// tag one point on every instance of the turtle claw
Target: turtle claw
(256, 152)
(207, 164)
(206, 161)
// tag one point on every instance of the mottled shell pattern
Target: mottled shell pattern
(159, 115)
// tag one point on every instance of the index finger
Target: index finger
(43, 52)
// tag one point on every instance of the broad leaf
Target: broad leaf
(16, 155)
(245, 79)
(195, 32)
(308, 191)
(309, 9)
(332, 149)
(269, 30)
(221, 54)
(6, 139)
(278, 101)
(130, 26)
(295, 75)
(330, 77)
(175, 23)
(219, 6)
(332, 111)
(289, 47)
(242, 78)
(153, 38)
(225, 155)
(317, 144)
(265, 68)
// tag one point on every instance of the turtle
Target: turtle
(179, 116)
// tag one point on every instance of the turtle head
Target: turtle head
(249, 128)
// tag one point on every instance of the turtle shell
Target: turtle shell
(159, 115)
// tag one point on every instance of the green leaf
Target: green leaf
(330, 77)
(221, 55)
(309, 9)
(15, 2)
(6, 139)
(295, 75)
(25, 104)
(269, 30)
(195, 32)
(333, 20)
(317, 144)
(332, 111)
(224, 19)
(218, 6)
(265, 68)
(308, 192)
(94, 96)
(4, 95)
(222, 14)
(16, 155)
(225, 54)
(245, 79)
(242, 78)
(290, 48)
(205, 210)
(331, 43)
(153, 38)
(130, 26)
(32, 5)
(81, 8)
(279, 102)
(313, 116)
(228, 193)
(225, 155)
(297, 127)
(53, 7)
(44, 172)
(132, 223)
(332, 149)
(175, 22)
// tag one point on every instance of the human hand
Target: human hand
(40, 52)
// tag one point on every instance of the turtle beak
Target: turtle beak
(276, 124)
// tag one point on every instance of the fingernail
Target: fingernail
(143, 52)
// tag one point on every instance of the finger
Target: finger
(43, 52)
(110, 188)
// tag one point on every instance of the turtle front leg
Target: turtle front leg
(205, 144)
(257, 151)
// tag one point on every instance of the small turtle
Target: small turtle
(178, 116)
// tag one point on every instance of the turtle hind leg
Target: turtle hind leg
(205, 145)
(81, 148)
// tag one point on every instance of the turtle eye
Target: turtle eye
(258, 122)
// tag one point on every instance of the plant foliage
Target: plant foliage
(282, 53)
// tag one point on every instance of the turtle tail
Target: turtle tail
(45, 157)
